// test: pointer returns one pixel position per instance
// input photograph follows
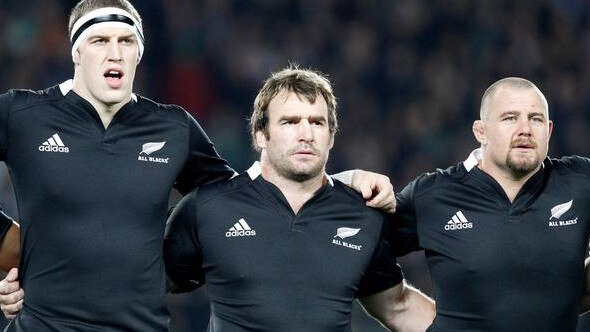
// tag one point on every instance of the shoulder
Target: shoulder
(22, 98)
(347, 195)
(573, 170)
(167, 112)
(222, 190)
(569, 164)
(346, 200)
(438, 179)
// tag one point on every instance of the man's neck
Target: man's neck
(297, 193)
(510, 182)
(105, 112)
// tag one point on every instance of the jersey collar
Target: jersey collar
(476, 156)
(68, 86)
(473, 159)
(256, 170)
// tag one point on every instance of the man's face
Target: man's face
(105, 66)
(516, 131)
(299, 139)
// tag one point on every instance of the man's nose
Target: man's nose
(114, 51)
(305, 131)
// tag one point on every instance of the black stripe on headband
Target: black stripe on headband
(106, 18)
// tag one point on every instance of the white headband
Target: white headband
(109, 17)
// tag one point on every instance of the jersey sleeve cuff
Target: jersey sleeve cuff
(5, 223)
(378, 282)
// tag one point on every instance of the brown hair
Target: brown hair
(305, 83)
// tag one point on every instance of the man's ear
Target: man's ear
(332, 140)
(261, 139)
(478, 129)
(76, 57)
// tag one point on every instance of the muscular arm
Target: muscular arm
(10, 248)
(585, 304)
(401, 308)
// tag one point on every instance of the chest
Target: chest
(254, 245)
(478, 234)
(65, 153)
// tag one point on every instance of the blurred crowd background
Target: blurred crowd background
(409, 75)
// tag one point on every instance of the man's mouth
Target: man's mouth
(113, 77)
(523, 145)
(113, 74)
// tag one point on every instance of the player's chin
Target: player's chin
(523, 164)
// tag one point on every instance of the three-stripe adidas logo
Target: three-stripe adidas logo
(458, 221)
(54, 144)
(241, 228)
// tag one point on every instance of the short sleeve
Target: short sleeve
(203, 165)
(404, 234)
(5, 223)
(383, 272)
(182, 250)
(5, 106)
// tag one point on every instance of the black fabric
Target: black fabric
(93, 206)
(5, 223)
(105, 18)
(283, 271)
(498, 265)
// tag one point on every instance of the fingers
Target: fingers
(384, 199)
(366, 190)
(11, 295)
(12, 274)
(11, 310)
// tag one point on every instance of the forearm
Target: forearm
(585, 303)
(10, 248)
(402, 308)
(414, 313)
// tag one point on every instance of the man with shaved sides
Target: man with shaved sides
(506, 231)
(92, 165)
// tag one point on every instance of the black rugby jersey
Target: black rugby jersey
(268, 269)
(501, 266)
(93, 205)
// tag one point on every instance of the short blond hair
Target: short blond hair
(86, 6)
(509, 82)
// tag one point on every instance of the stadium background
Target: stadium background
(408, 74)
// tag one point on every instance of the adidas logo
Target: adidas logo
(54, 144)
(458, 222)
(241, 228)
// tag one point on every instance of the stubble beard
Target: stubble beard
(522, 166)
(298, 172)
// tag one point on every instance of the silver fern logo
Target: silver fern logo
(343, 233)
(148, 148)
(559, 210)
